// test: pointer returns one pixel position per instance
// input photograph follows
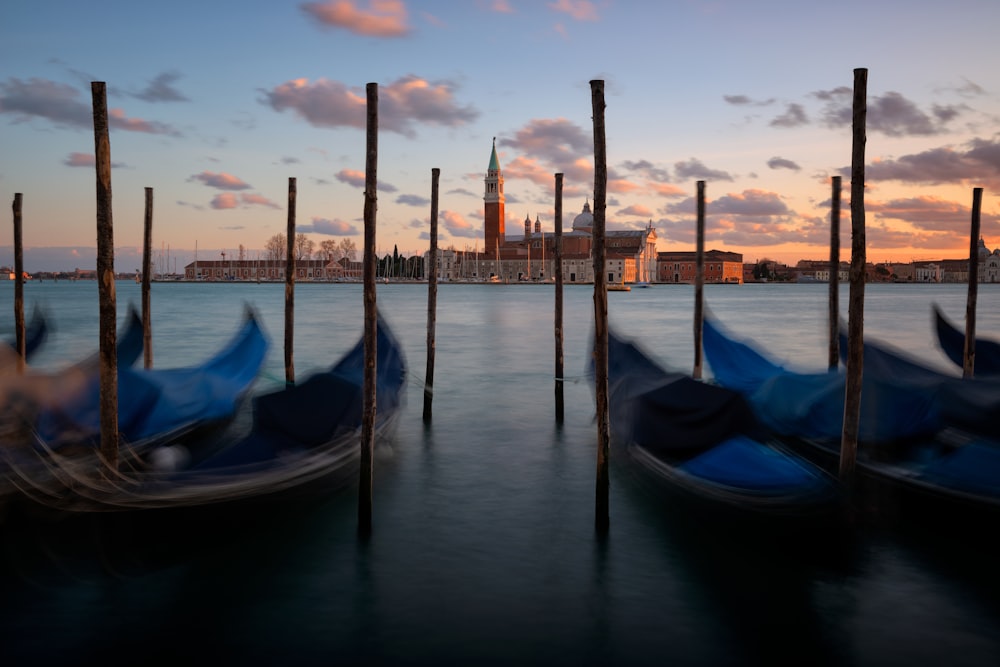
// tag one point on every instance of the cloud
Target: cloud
(891, 114)
(161, 89)
(402, 104)
(647, 169)
(580, 10)
(220, 181)
(637, 210)
(328, 227)
(743, 100)
(782, 163)
(456, 225)
(926, 213)
(59, 104)
(229, 200)
(413, 200)
(501, 7)
(695, 169)
(356, 179)
(382, 18)
(555, 140)
(86, 160)
(978, 163)
(794, 116)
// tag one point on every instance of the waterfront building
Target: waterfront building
(630, 255)
(681, 267)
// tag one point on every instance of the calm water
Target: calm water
(484, 550)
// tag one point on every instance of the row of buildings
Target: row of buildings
(630, 257)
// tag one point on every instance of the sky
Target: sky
(216, 105)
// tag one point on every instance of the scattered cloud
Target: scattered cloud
(782, 163)
(580, 10)
(413, 200)
(220, 181)
(794, 116)
(891, 114)
(637, 210)
(458, 226)
(380, 18)
(161, 89)
(501, 7)
(978, 162)
(555, 140)
(404, 103)
(743, 100)
(80, 160)
(695, 169)
(59, 104)
(356, 179)
(328, 227)
(230, 200)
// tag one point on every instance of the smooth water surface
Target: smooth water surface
(484, 550)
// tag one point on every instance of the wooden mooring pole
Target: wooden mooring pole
(108, 318)
(371, 317)
(602, 518)
(969, 352)
(432, 287)
(19, 335)
(856, 304)
(560, 377)
(699, 282)
(833, 360)
(290, 287)
(147, 254)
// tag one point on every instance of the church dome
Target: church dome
(584, 221)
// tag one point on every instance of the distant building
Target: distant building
(681, 267)
(265, 270)
(630, 255)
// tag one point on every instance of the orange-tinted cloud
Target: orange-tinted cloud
(581, 10)
(402, 104)
(220, 181)
(381, 18)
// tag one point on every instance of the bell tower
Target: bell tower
(493, 213)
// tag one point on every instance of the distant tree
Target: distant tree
(328, 250)
(348, 249)
(275, 248)
(303, 246)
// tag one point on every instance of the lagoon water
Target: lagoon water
(484, 550)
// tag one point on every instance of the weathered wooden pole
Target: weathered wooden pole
(602, 507)
(856, 304)
(106, 280)
(290, 287)
(147, 253)
(699, 283)
(432, 287)
(19, 340)
(557, 247)
(833, 361)
(969, 353)
(371, 317)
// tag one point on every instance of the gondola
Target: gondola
(925, 437)
(702, 443)
(952, 342)
(303, 438)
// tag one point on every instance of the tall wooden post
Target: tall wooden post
(969, 353)
(290, 287)
(432, 286)
(371, 317)
(856, 305)
(108, 318)
(699, 283)
(833, 319)
(19, 339)
(147, 253)
(602, 517)
(560, 377)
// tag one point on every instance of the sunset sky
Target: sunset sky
(215, 105)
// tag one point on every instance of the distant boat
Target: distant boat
(641, 283)
(618, 287)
